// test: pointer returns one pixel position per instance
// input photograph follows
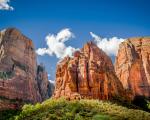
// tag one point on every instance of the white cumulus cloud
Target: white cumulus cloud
(56, 44)
(4, 5)
(52, 81)
(109, 45)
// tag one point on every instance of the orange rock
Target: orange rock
(132, 66)
(88, 74)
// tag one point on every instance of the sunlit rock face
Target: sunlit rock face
(132, 66)
(19, 77)
(88, 74)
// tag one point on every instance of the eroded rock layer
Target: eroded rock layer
(18, 67)
(132, 66)
(18, 71)
(88, 74)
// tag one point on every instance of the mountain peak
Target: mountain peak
(11, 30)
(90, 45)
(87, 75)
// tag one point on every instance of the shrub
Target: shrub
(62, 109)
(142, 102)
(5, 75)
(101, 117)
(8, 114)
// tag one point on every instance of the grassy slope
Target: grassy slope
(80, 110)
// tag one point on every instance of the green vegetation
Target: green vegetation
(10, 100)
(8, 114)
(148, 105)
(5, 75)
(20, 101)
(62, 109)
(142, 102)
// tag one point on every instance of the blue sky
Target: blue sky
(106, 18)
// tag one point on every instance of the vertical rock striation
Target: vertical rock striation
(18, 67)
(18, 71)
(132, 66)
(88, 74)
(45, 87)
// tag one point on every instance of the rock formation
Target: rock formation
(132, 66)
(88, 74)
(45, 87)
(18, 70)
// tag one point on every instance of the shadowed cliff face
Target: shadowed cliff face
(132, 66)
(89, 74)
(45, 87)
(18, 69)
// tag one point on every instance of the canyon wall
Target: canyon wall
(19, 77)
(88, 74)
(132, 66)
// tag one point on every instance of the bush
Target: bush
(101, 117)
(62, 109)
(8, 114)
(5, 75)
(142, 102)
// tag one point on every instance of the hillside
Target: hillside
(61, 109)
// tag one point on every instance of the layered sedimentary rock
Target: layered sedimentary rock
(18, 67)
(18, 70)
(88, 74)
(132, 66)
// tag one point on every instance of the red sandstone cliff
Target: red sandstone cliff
(132, 66)
(18, 71)
(88, 74)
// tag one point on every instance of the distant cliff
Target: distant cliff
(132, 66)
(45, 87)
(21, 81)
